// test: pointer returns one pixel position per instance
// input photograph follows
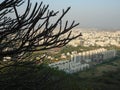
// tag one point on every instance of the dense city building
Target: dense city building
(81, 61)
(93, 37)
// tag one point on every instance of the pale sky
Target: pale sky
(89, 13)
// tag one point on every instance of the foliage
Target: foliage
(70, 48)
(27, 75)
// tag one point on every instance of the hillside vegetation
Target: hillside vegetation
(29, 76)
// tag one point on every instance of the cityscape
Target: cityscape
(89, 38)
(60, 45)
(92, 37)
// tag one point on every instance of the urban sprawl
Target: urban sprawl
(83, 60)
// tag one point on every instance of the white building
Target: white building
(76, 63)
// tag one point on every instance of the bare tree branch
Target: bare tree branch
(32, 30)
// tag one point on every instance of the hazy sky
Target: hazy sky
(90, 13)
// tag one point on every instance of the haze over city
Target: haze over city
(102, 14)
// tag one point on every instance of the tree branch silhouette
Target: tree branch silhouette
(32, 30)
